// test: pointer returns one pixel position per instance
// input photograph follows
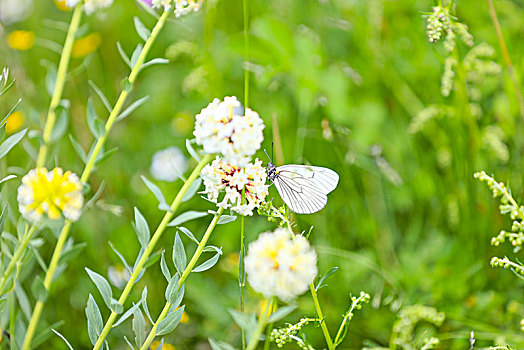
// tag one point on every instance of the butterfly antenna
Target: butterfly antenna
(267, 155)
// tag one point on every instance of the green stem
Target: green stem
(149, 249)
(18, 254)
(505, 54)
(268, 335)
(323, 325)
(241, 271)
(253, 342)
(246, 52)
(33, 322)
(184, 276)
(59, 84)
(87, 173)
(123, 95)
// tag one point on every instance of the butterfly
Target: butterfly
(303, 188)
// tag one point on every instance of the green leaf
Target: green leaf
(192, 190)
(164, 267)
(224, 219)
(2, 123)
(157, 193)
(94, 319)
(38, 289)
(141, 228)
(3, 217)
(136, 54)
(220, 345)
(123, 54)
(179, 255)
(168, 324)
(172, 289)
(247, 322)
(186, 216)
(323, 278)
(103, 286)
(45, 334)
(144, 304)
(61, 124)
(128, 268)
(188, 234)
(78, 149)
(207, 264)
(128, 313)
(50, 79)
(116, 306)
(141, 29)
(105, 155)
(100, 94)
(95, 125)
(126, 85)
(155, 61)
(139, 327)
(23, 300)
(71, 253)
(63, 338)
(280, 313)
(7, 178)
(11, 142)
(191, 150)
(131, 108)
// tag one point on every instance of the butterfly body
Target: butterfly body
(303, 188)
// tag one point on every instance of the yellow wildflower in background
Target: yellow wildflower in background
(62, 5)
(14, 122)
(21, 39)
(54, 193)
(86, 45)
(165, 346)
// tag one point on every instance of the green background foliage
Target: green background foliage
(404, 225)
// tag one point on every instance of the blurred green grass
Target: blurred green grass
(364, 66)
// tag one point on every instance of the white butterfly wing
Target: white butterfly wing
(304, 188)
(326, 180)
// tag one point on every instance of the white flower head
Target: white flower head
(53, 193)
(168, 164)
(223, 128)
(280, 264)
(72, 3)
(220, 176)
(91, 6)
(118, 275)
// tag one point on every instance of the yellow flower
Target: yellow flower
(50, 192)
(86, 45)
(62, 5)
(14, 122)
(21, 39)
(165, 346)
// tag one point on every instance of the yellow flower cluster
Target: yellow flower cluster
(53, 193)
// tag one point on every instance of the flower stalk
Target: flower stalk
(87, 173)
(262, 319)
(59, 84)
(18, 254)
(322, 321)
(149, 249)
(184, 276)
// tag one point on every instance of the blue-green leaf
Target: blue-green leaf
(179, 255)
(94, 319)
(103, 286)
(141, 228)
(11, 142)
(168, 324)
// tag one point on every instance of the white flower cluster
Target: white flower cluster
(90, 6)
(221, 176)
(51, 192)
(182, 7)
(223, 128)
(168, 164)
(281, 264)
